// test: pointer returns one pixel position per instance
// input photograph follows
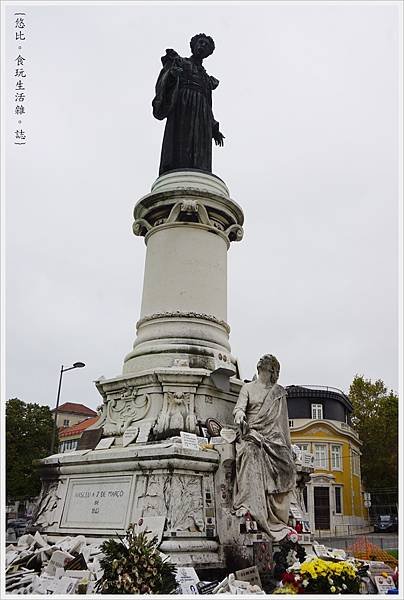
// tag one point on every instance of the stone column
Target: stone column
(188, 222)
(178, 377)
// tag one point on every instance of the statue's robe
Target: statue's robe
(265, 469)
(184, 97)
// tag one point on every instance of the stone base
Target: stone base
(99, 492)
(183, 496)
(146, 473)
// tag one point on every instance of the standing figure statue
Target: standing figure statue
(265, 469)
(184, 97)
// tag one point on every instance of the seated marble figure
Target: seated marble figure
(265, 469)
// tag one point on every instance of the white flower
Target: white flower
(305, 583)
(339, 553)
(343, 586)
(309, 558)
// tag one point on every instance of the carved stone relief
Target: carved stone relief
(177, 414)
(189, 207)
(152, 502)
(188, 210)
(235, 233)
(141, 227)
(45, 512)
(318, 430)
(186, 505)
(177, 497)
(120, 412)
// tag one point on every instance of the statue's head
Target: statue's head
(202, 45)
(270, 364)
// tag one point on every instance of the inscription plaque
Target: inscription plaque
(98, 503)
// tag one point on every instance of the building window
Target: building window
(355, 463)
(316, 411)
(338, 500)
(320, 456)
(67, 445)
(336, 457)
(303, 447)
(66, 423)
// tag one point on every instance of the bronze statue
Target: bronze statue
(184, 97)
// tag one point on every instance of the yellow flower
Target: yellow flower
(286, 589)
(332, 589)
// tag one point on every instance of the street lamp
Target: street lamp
(76, 365)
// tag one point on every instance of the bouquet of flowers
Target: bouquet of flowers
(133, 565)
(319, 576)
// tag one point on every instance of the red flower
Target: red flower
(289, 578)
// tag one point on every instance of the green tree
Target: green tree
(375, 418)
(28, 438)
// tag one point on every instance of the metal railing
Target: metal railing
(344, 530)
(386, 542)
(327, 388)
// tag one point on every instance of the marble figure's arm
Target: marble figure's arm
(240, 409)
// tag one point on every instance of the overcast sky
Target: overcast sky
(308, 102)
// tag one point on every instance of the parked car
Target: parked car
(19, 526)
(386, 523)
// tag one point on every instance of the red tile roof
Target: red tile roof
(78, 428)
(77, 409)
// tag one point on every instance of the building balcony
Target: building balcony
(344, 427)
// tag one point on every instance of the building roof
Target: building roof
(319, 393)
(77, 409)
(78, 428)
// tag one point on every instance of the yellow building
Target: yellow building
(319, 420)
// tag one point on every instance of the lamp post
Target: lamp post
(76, 365)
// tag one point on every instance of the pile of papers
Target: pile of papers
(231, 585)
(245, 581)
(35, 565)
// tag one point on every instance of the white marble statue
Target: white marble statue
(265, 469)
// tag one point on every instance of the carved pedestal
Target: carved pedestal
(164, 402)
(179, 373)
